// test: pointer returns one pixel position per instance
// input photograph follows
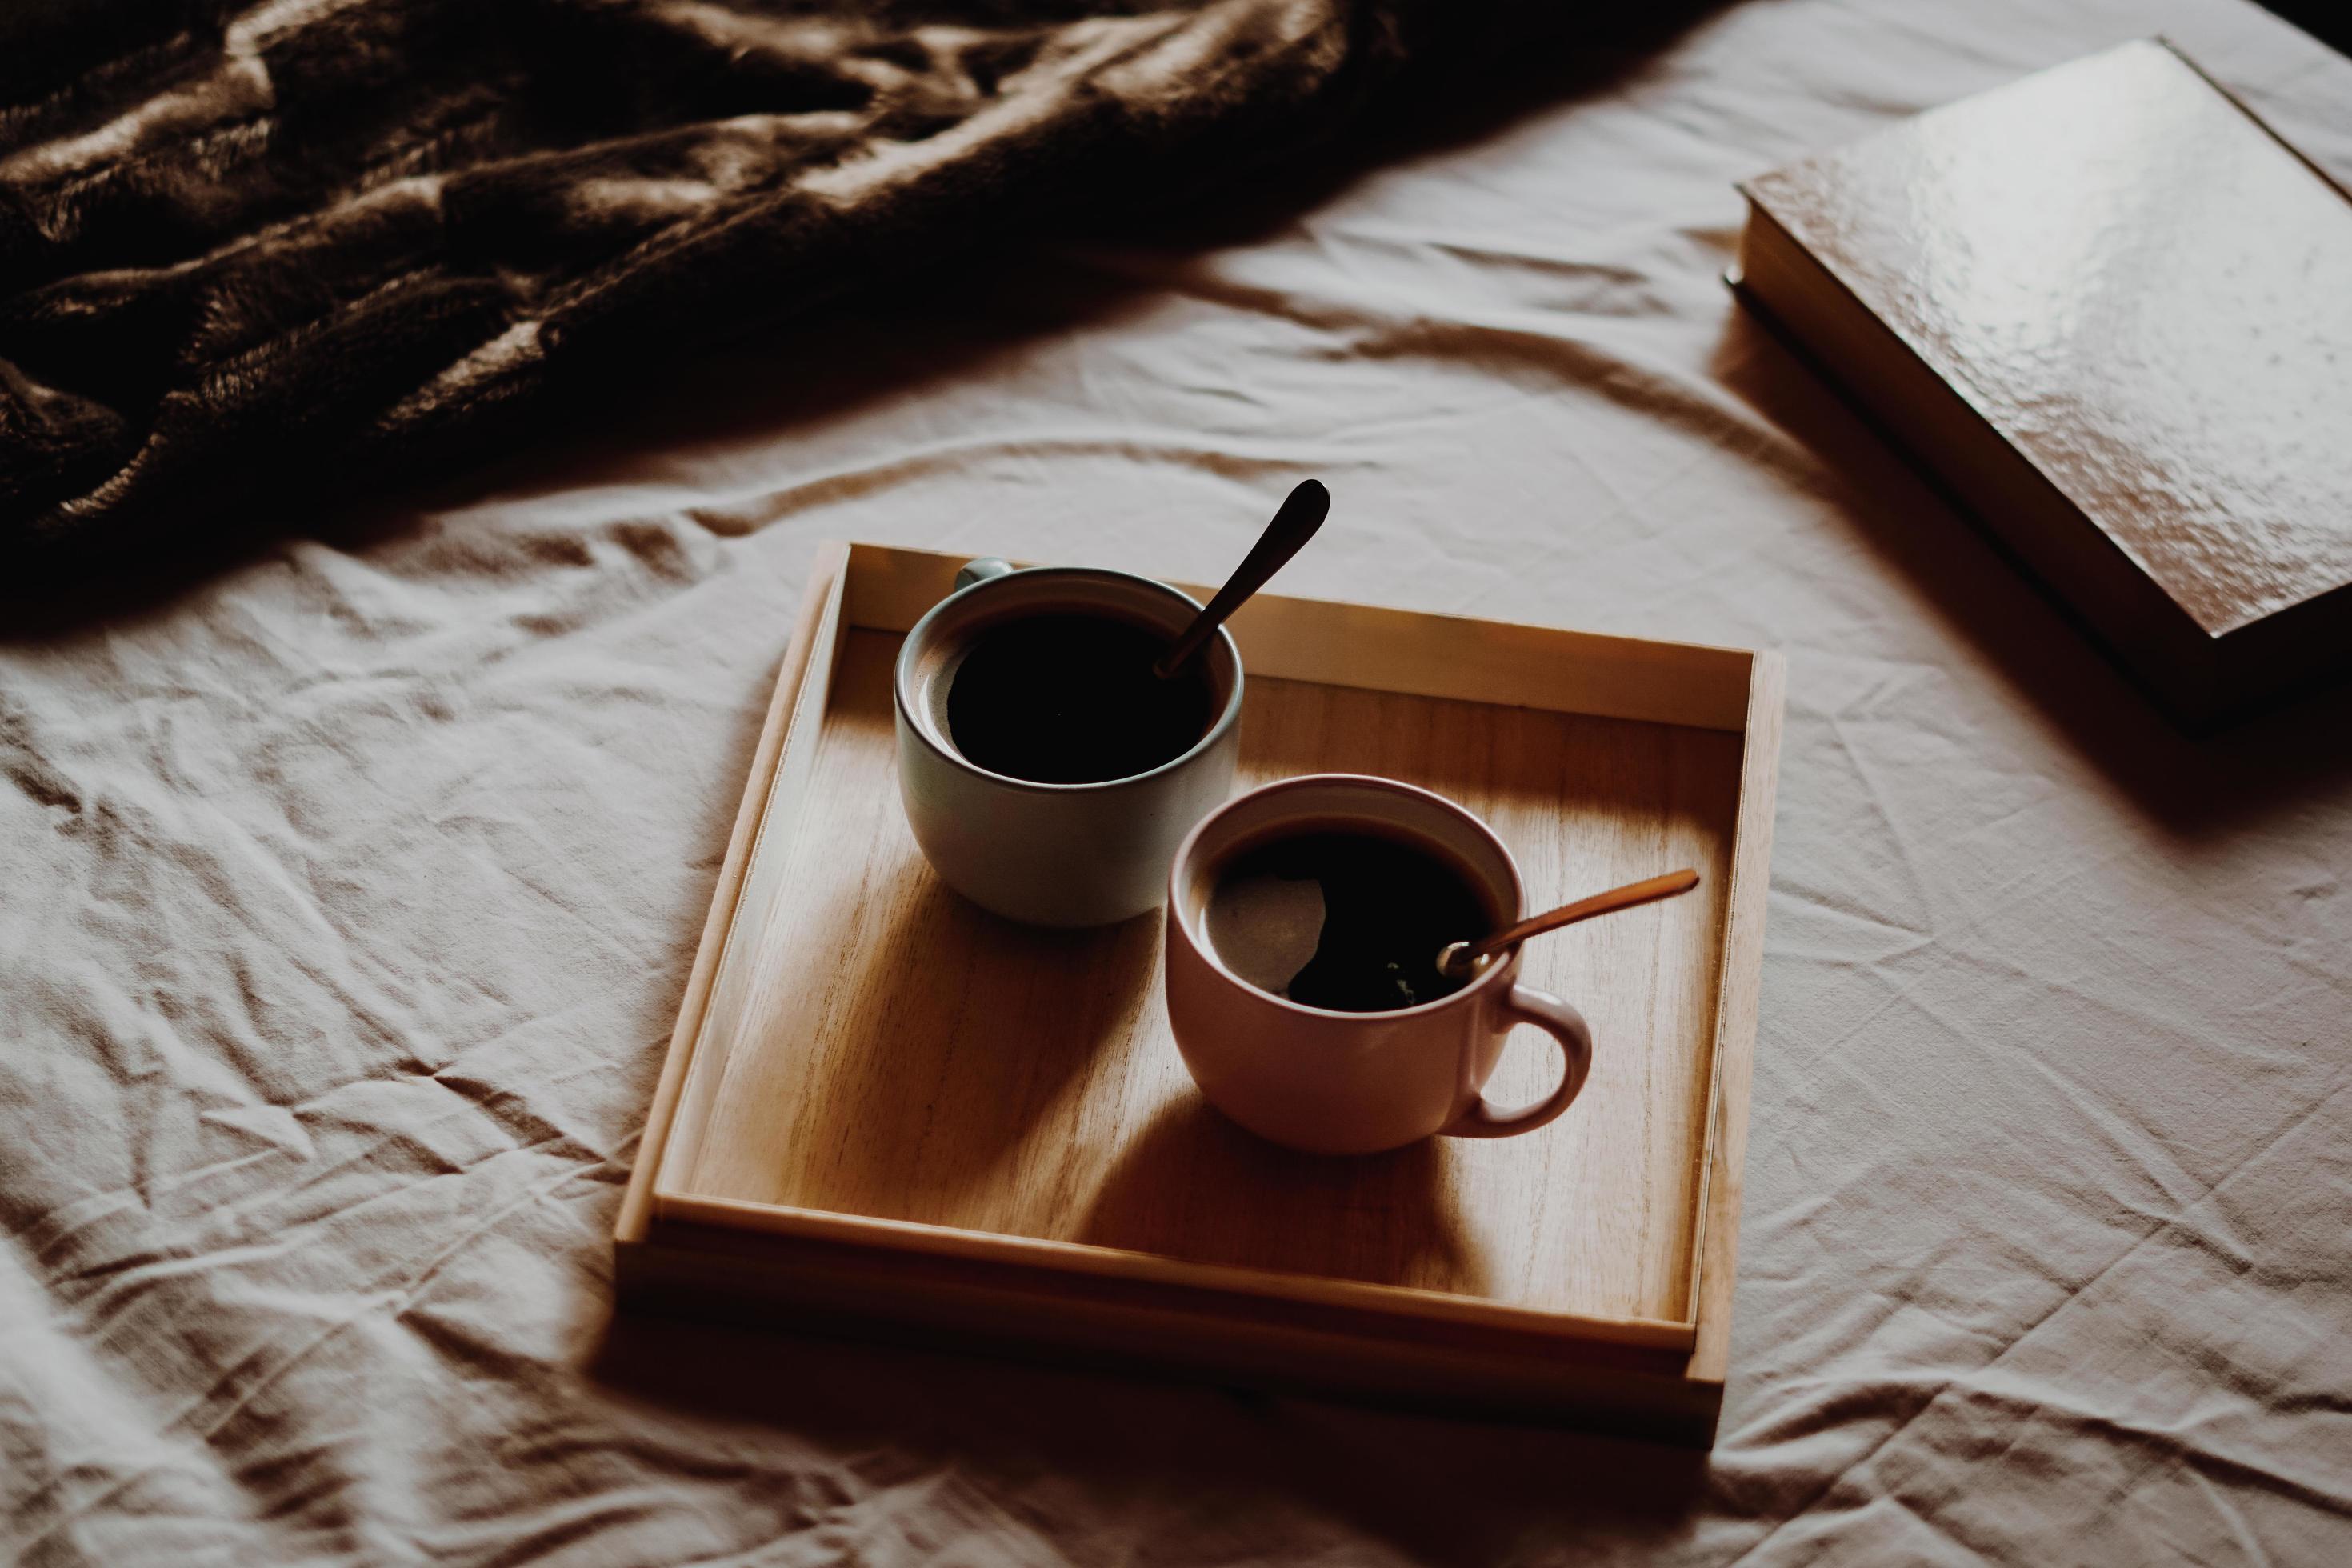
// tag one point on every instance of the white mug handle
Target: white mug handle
(1526, 1004)
(981, 571)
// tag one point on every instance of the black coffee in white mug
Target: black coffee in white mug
(1062, 697)
(1048, 774)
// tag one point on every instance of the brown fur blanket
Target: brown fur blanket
(252, 249)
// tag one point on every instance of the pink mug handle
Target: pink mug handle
(1525, 1005)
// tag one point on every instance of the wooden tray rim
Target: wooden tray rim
(826, 614)
(1155, 1268)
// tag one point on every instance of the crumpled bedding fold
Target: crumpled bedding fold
(255, 253)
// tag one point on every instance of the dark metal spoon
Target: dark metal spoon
(1300, 515)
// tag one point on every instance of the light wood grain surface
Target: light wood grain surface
(1715, 1257)
(819, 604)
(876, 1047)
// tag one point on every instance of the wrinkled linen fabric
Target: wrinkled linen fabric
(350, 890)
(256, 250)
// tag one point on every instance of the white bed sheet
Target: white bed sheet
(349, 893)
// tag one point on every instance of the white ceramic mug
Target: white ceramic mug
(1354, 1083)
(1053, 853)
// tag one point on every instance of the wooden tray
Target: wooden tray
(885, 1109)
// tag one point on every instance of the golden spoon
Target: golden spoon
(1457, 958)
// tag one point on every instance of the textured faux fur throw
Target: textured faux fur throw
(250, 250)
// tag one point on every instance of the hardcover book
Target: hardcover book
(2113, 312)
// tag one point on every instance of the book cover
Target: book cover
(2113, 312)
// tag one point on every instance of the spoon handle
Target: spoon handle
(1308, 504)
(1645, 893)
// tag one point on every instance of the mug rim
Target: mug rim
(1216, 731)
(1488, 978)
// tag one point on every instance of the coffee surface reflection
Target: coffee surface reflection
(1344, 920)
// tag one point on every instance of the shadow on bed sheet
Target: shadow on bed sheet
(2197, 789)
(1198, 1471)
(866, 349)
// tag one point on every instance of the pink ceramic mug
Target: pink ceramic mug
(1353, 1083)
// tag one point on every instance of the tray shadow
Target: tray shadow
(1212, 1470)
(1192, 1184)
